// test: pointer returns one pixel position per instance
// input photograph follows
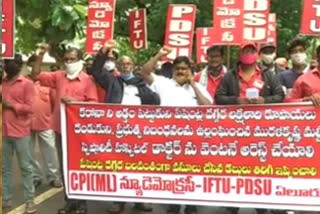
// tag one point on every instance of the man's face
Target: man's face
(88, 64)
(70, 57)
(181, 73)
(313, 64)
(215, 59)
(126, 65)
(268, 50)
(298, 49)
(248, 50)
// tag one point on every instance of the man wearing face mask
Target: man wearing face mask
(181, 90)
(268, 55)
(72, 84)
(307, 86)
(213, 73)
(17, 105)
(298, 55)
(247, 77)
(126, 89)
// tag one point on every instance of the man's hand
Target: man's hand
(243, 101)
(260, 100)
(315, 100)
(164, 51)
(67, 100)
(109, 45)
(7, 105)
(43, 48)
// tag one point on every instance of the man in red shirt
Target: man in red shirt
(237, 86)
(213, 73)
(72, 84)
(307, 86)
(17, 111)
(41, 130)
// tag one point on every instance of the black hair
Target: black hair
(181, 59)
(73, 49)
(32, 59)
(17, 60)
(296, 42)
(218, 48)
(318, 50)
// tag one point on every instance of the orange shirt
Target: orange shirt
(20, 93)
(81, 89)
(43, 108)
(306, 85)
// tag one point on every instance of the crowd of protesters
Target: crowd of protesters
(31, 102)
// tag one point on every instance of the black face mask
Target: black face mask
(12, 69)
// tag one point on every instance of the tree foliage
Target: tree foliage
(57, 21)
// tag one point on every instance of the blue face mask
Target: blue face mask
(128, 77)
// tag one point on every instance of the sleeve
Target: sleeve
(296, 93)
(205, 93)
(277, 93)
(222, 96)
(26, 107)
(102, 78)
(49, 79)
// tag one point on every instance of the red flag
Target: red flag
(179, 30)
(138, 29)
(310, 22)
(239, 20)
(8, 17)
(204, 41)
(100, 24)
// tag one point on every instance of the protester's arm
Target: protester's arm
(148, 67)
(101, 77)
(45, 78)
(221, 96)
(26, 107)
(277, 94)
(36, 69)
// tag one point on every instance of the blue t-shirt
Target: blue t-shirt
(288, 78)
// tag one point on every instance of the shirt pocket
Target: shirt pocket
(44, 95)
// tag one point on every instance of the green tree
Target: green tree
(57, 21)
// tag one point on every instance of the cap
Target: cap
(267, 45)
(248, 43)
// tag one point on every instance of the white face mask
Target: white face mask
(73, 69)
(29, 70)
(109, 65)
(268, 58)
(299, 58)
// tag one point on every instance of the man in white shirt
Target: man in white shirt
(179, 91)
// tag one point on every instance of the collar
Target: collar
(258, 71)
(18, 79)
(177, 84)
(222, 72)
(80, 77)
